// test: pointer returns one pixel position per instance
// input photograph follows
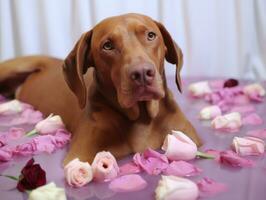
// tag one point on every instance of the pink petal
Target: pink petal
(255, 96)
(44, 144)
(61, 138)
(151, 162)
(252, 119)
(241, 100)
(5, 154)
(261, 133)
(182, 168)
(129, 168)
(15, 133)
(231, 158)
(243, 109)
(26, 149)
(215, 153)
(28, 116)
(128, 183)
(209, 187)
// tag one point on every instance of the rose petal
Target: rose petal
(215, 153)
(243, 109)
(261, 133)
(129, 168)
(151, 162)
(253, 119)
(209, 187)
(5, 154)
(182, 168)
(128, 183)
(231, 158)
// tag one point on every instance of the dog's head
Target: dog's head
(128, 53)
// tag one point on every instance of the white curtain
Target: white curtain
(218, 38)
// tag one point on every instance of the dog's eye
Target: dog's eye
(151, 36)
(108, 45)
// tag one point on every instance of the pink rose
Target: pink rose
(210, 112)
(49, 125)
(78, 173)
(176, 188)
(178, 146)
(104, 166)
(230, 122)
(199, 89)
(247, 146)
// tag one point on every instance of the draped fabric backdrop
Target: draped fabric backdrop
(218, 38)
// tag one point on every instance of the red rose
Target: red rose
(32, 176)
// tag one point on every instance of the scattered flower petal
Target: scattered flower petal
(231, 158)
(128, 183)
(78, 173)
(129, 168)
(182, 168)
(150, 161)
(243, 109)
(5, 154)
(248, 146)
(230, 122)
(252, 119)
(254, 91)
(176, 188)
(215, 153)
(261, 133)
(209, 187)
(104, 167)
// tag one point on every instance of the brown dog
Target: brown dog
(124, 104)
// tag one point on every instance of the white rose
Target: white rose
(48, 192)
(231, 121)
(11, 107)
(255, 87)
(199, 89)
(176, 188)
(49, 125)
(210, 112)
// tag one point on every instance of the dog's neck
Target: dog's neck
(143, 111)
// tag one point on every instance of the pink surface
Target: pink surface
(242, 183)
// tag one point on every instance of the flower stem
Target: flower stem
(204, 155)
(11, 177)
(31, 133)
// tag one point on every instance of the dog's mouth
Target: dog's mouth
(142, 93)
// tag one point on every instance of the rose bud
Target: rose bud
(11, 107)
(248, 146)
(32, 176)
(49, 125)
(230, 83)
(176, 188)
(78, 173)
(178, 146)
(210, 112)
(48, 192)
(199, 89)
(104, 167)
(254, 88)
(230, 122)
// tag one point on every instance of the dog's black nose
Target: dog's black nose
(142, 75)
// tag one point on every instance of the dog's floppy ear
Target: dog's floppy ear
(76, 64)
(173, 54)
